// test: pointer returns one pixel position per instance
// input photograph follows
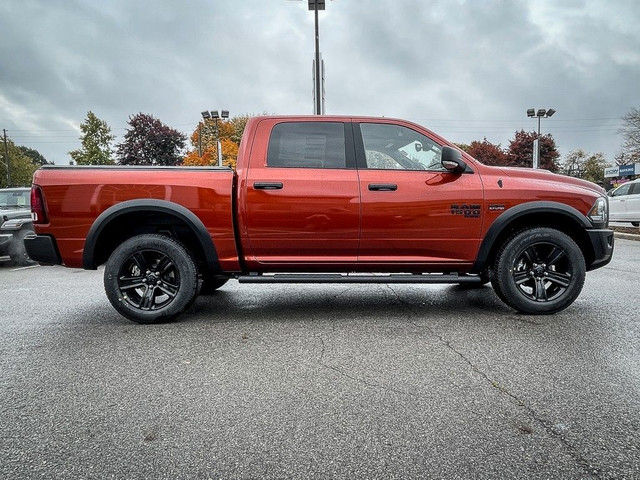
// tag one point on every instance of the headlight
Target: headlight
(15, 224)
(599, 214)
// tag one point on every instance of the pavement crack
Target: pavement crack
(345, 374)
(572, 451)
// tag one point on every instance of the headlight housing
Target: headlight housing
(15, 223)
(599, 213)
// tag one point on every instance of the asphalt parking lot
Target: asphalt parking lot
(358, 381)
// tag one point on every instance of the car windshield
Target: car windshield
(15, 199)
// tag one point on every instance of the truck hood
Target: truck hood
(547, 176)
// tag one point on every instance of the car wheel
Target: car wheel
(17, 251)
(635, 224)
(150, 279)
(539, 271)
(210, 285)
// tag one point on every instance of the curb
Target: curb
(626, 236)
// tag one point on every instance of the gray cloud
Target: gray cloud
(465, 69)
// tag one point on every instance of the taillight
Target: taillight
(38, 210)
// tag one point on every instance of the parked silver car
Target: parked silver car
(15, 223)
(624, 203)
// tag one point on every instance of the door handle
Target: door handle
(383, 187)
(267, 185)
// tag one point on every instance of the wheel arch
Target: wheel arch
(134, 217)
(562, 217)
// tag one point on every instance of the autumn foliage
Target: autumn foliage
(519, 153)
(203, 140)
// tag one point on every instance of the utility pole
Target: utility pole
(6, 158)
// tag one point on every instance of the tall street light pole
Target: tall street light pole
(317, 5)
(541, 113)
(318, 100)
(213, 114)
(6, 158)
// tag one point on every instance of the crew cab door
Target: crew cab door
(302, 195)
(413, 210)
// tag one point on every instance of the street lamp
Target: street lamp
(318, 100)
(213, 114)
(541, 113)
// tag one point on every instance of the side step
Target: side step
(359, 278)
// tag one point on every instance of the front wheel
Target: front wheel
(150, 278)
(539, 271)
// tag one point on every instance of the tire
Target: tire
(17, 252)
(635, 224)
(150, 279)
(539, 271)
(211, 285)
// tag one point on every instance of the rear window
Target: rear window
(307, 145)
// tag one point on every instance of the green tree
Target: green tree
(36, 157)
(96, 142)
(521, 150)
(581, 164)
(631, 134)
(22, 167)
(148, 141)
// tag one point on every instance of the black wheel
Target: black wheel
(150, 279)
(17, 252)
(635, 224)
(539, 271)
(210, 285)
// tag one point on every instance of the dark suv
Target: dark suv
(15, 223)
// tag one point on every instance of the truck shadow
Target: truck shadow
(342, 303)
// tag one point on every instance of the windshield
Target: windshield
(15, 199)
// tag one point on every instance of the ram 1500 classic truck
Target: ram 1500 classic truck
(323, 199)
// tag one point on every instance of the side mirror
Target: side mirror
(451, 160)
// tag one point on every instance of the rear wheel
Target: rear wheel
(539, 271)
(635, 224)
(150, 279)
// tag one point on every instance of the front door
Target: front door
(414, 212)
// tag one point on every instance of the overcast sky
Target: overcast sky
(465, 69)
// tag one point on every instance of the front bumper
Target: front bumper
(43, 249)
(602, 244)
(5, 241)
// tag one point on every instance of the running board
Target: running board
(358, 278)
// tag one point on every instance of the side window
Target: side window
(623, 190)
(393, 147)
(307, 145)
(635, 189)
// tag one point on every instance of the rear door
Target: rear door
(302, 195)
(414, 212)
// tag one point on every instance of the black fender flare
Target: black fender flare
(512, 214)
(149, 205)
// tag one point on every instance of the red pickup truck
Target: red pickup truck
(323, 200)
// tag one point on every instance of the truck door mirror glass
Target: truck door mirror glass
(452, 160)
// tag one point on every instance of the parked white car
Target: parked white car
(624, 203)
